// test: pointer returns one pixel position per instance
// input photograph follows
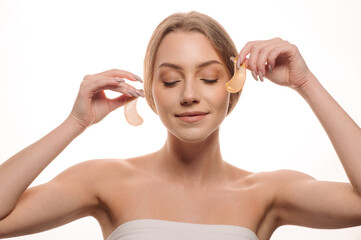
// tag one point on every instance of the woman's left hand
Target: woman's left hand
(277, 60)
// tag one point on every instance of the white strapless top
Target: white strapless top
(154, 229)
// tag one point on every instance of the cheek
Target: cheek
(219, 98)
(162, 99)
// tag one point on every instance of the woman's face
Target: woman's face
(188, 87)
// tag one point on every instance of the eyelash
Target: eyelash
(210, 81)
(170, 84)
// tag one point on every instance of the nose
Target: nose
(190, 94)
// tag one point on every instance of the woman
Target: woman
(185, 190)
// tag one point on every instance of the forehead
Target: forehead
(186, 49)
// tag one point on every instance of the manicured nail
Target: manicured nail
(129, 94)
(260, 75)
(119, 80)
(270, 68)
(138, 78)
(254, 75)
(241, 60)
(140, 93)
(238, 64)
(136, 93)
(132, 93)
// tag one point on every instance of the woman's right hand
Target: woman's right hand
(92, 105)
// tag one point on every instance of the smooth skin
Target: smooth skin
(186, 180)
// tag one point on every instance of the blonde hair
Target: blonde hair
(188, 22)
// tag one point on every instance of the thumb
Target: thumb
(118, 102)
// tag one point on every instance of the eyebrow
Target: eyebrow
(177, 67)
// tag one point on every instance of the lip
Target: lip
(191, 116)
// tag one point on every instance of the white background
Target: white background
(46, 48)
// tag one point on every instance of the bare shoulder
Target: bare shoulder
(73, 194)
(93, 169)
(269, 187)
(96, 173)
(299, 199)
(267, 191)
(275, 185)
(108, 174)
(282, 177)
(103, 167)
(285, 174)
(285, 180)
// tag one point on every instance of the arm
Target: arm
(69, 196)
(17, 173)
(302, 200)
(298, 198)
(343, 132)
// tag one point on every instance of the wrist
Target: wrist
(309, 82)
(73, 125)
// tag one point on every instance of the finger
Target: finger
(128, 89)
(284, 49)
(244, 52)
(254, 75)
(117, 102)
(116, 73)
(93, 86)
(121, 86)
(248, 48)
(255, 49)
(252, 60)
(263, 57)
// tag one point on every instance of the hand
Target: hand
(277, 60)
(92, 105)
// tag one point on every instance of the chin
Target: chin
(191, 139)
(192, 135)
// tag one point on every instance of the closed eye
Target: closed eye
(170, 84)
(210, 81)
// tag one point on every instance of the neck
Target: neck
(194, 164)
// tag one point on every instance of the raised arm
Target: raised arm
(343, 132)
(18, 172)
(282, 63)
(298, 198)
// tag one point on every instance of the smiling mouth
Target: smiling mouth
(191, 116)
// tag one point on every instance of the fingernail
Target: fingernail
(260, 75)
(138, 78)
(119, 80)
(132, 93)
(270, 68)
(254, 75)
(238, 64)
(129, 94)
(140, 93)
(136, 93)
